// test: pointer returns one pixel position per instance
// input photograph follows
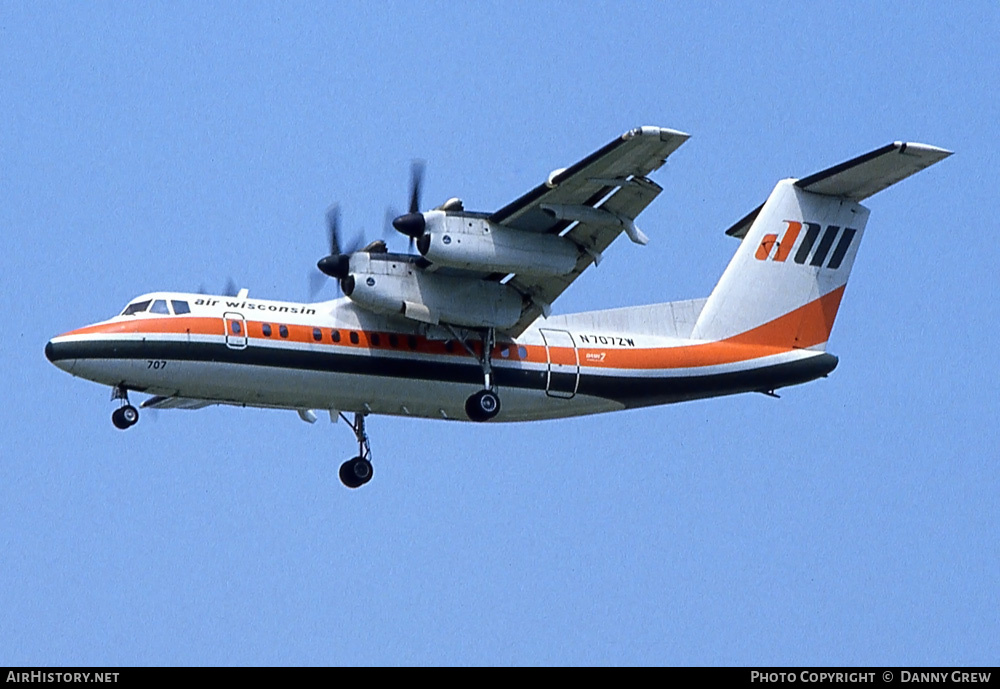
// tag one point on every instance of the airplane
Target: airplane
(440, 334)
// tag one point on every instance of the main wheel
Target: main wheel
(356, 472)
(130, 414)
(483, 405)
(118, 419)
(125, 417)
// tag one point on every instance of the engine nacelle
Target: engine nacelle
(384, 284)
(469, 243)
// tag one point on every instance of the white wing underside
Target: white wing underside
(163, 402)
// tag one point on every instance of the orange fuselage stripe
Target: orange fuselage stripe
(807, 326)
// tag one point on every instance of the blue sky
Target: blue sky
(853, 521)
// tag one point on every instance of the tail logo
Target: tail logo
(812, 233)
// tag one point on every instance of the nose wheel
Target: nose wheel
(125, 416)
(357, 471)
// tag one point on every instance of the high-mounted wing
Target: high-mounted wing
(590, 202)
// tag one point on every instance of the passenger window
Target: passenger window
(376, 340)
(137, 307)
(449, 346)
(235, 325)
(335, 335)
(180, 307)
(317, 334)
(160, 306)
(505, 352)
(522, 352)
(267, 329)
(283, 330)
(354, 337)
(393, 341)
(411, 340)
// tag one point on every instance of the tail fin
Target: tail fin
(784, 285)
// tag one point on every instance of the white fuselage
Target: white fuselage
(335, 356)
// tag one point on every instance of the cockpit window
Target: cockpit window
(180, 307)
(136, 307)
(160, 306)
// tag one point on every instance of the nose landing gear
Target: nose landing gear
(126, 415)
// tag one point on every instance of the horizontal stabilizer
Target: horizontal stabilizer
(861, 177)
(869, 174)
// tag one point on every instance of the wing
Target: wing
(173, 402)
(591, 202)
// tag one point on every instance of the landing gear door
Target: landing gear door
(236, 330)
(563, 375)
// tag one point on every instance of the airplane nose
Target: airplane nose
(58, 355)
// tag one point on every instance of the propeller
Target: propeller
(416, 181)
(230, 290)
(338, 262)
(335, 264)
(412, 224)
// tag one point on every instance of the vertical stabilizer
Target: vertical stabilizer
(784, 285)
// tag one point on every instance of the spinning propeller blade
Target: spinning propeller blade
(412, 223)
(317, 281)
(416, 181)
(333, 228)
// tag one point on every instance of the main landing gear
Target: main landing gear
(485, 404)
(358, 471)
(125, 416)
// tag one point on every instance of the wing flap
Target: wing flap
(626, 202)
(611, 179)
(634, 154)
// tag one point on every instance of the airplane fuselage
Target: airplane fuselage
(335, 356)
